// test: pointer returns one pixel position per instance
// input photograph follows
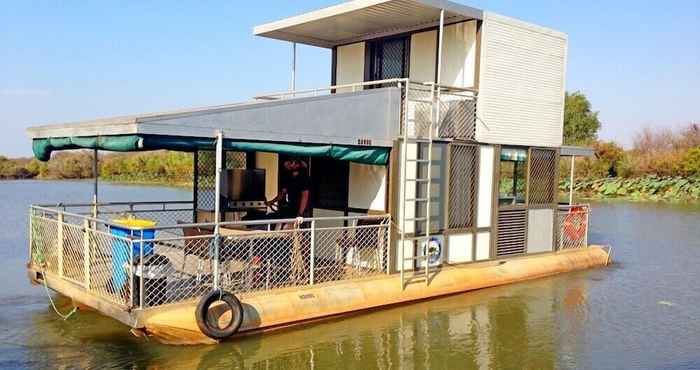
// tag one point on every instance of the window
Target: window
(388, 58)
(463, 185)
(512, 177)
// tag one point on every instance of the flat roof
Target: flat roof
(576, 151)
(359, 20)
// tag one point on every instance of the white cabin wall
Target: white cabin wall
(367, 187)
(459, 54)
(423, 51)
(350, 64)
(522, 83)
(269, 162)
(458, 58)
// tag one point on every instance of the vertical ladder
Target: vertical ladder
(421, 162)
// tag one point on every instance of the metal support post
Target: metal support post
(571, 181)
(312, 253)
(294, 67)
(59, 242)
(217, 204)
(141, 272)
(95, 174)
(441, 32)
(86, 253)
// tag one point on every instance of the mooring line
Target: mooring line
(48, 294)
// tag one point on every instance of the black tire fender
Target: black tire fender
(233, 304)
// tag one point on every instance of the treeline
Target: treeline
(663, 164)
(147, 167)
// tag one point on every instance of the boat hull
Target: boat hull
(293, 306)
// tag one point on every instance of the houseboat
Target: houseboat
(429, 167)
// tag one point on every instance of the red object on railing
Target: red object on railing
(575, 224)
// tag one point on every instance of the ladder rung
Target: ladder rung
(418, 180)
(416, 219)
(418, 160)
(417, 140)
(420, 200)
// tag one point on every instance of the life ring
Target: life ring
(575, 224)
(212, 330)
(433, 249)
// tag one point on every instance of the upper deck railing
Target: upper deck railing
(456, 105)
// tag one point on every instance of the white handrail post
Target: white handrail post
(130, 246)
(217, 204)
(571, 181)
(86, 252)
(440, 37)
(94, 190)
(294, 68)
(31, 234)
(312, 252)
(141, 271)
(59, 242)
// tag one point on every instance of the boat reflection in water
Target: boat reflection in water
(535, 325)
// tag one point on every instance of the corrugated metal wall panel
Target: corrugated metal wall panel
(522, 82)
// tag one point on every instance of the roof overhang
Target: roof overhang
(576, 151)
(359, 20)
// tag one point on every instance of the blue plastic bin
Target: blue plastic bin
(132, 229)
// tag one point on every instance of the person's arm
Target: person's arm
(278, 197)
(303, 203)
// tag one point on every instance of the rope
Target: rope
(48, 294)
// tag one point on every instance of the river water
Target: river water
(641, 313)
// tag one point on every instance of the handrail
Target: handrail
(293, 93)
(211, 224)
(278, 95)
(114, 203)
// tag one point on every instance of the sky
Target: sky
(62, 61)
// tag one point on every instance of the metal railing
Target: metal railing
(181, 262)
(456, 106)
(573, 226)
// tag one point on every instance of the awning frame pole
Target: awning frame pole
(441, 31)
(571, 181)
(217, 204)
(294, 67)
(95, 175)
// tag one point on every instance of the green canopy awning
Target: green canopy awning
(132, 143)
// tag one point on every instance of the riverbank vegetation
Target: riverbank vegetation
(662, 164)
(162, 167)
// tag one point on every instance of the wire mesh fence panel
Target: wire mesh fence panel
(74, 253)
(542, 177)
(573, 224)
(457, 117)
(109, 266)
(464, 170)
(178, 269)
(206, 179)
(44, 248)
(350, 252)
(235, 160)
(206, 175)
(265, 260)
(420, 112)
(166, 269)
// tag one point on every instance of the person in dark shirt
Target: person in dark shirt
(294, 195)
